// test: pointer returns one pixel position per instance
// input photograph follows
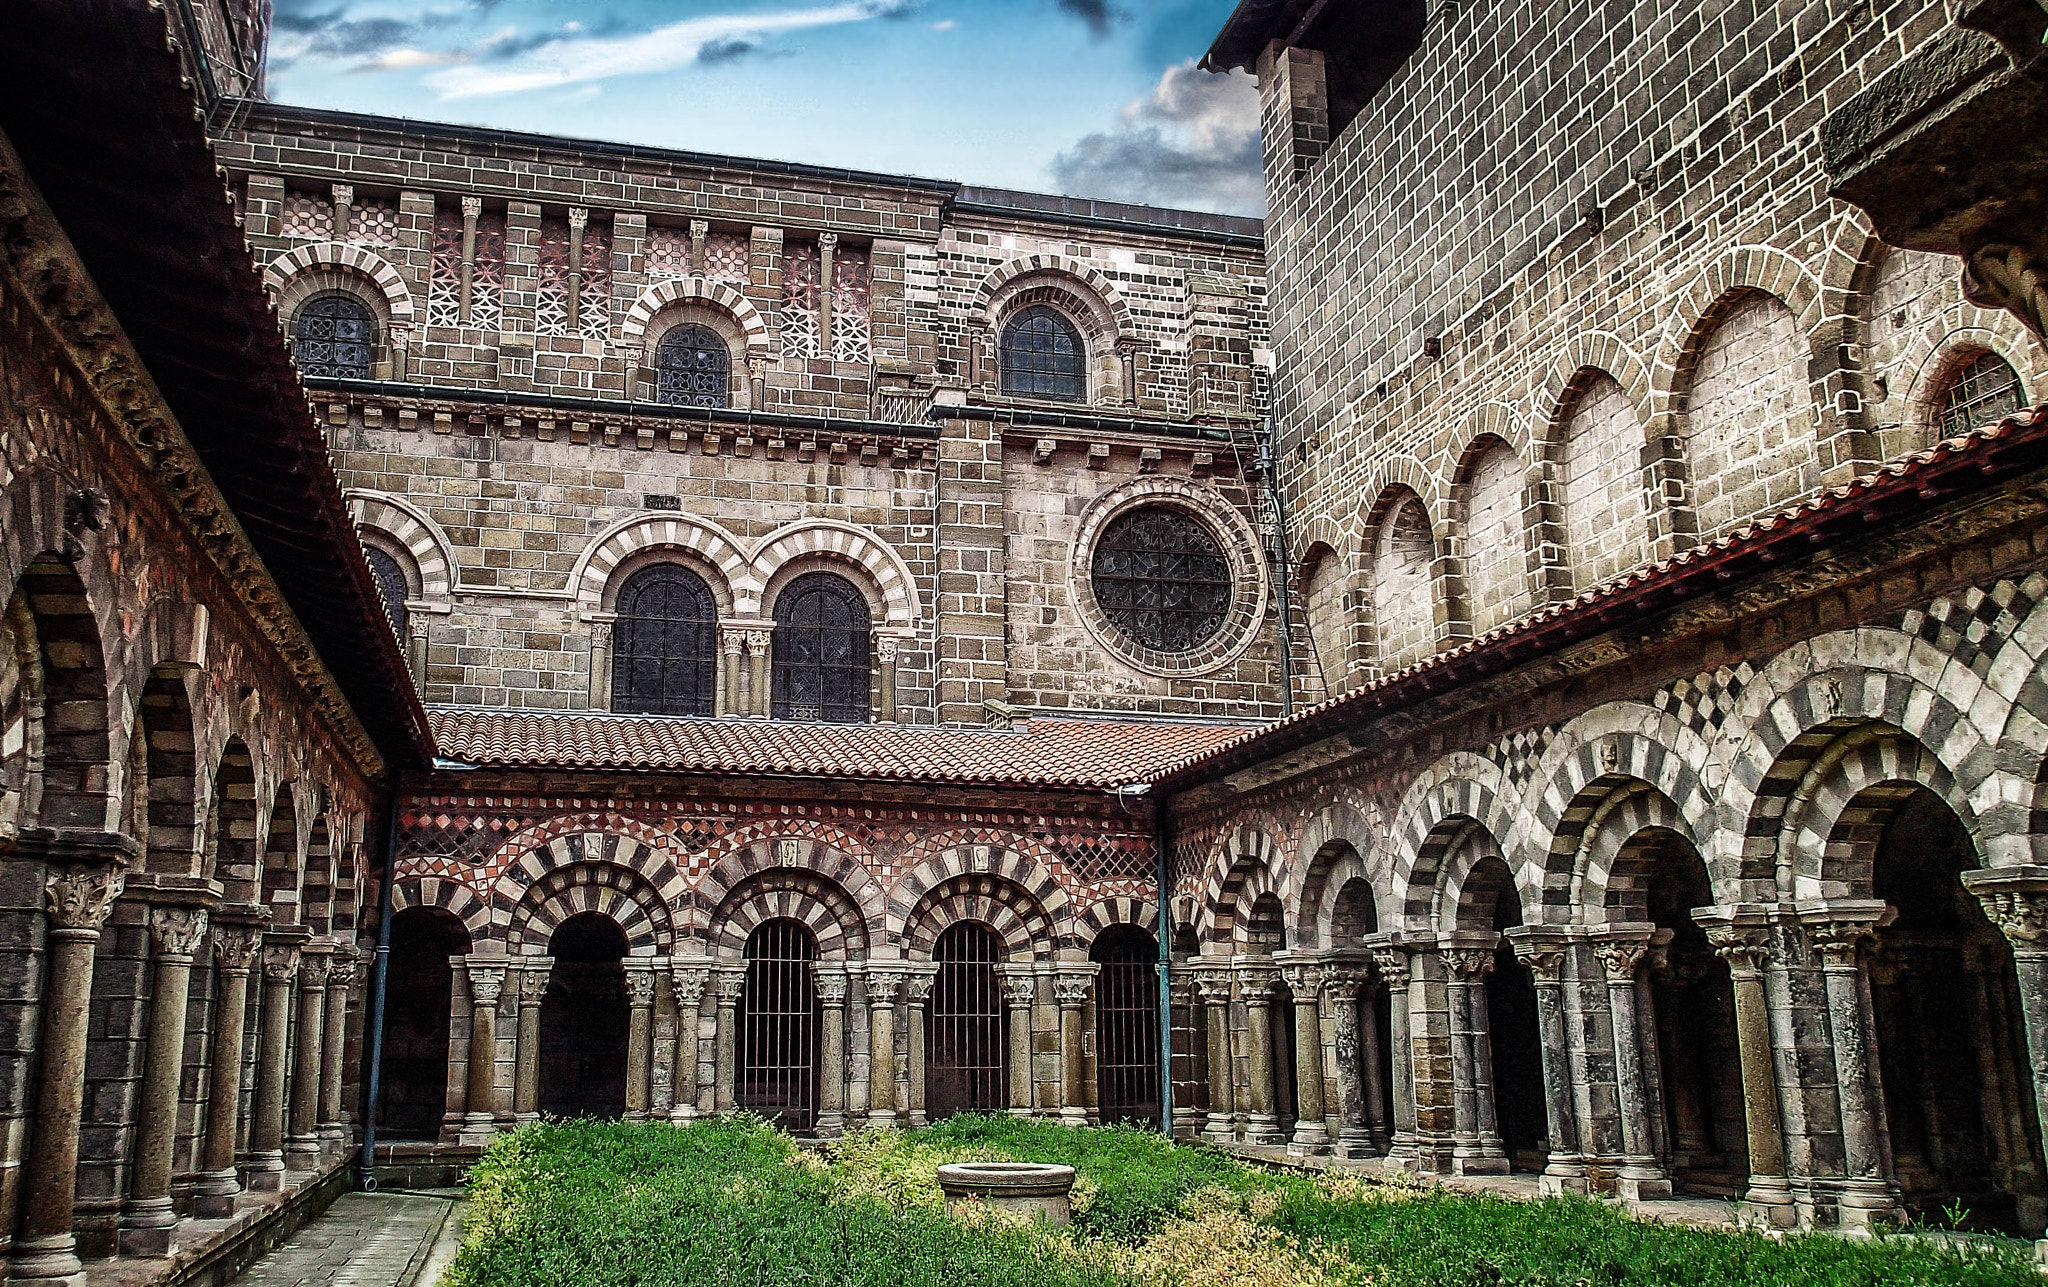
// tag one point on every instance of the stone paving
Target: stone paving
(386, 1239)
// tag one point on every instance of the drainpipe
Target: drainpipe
(1269, 464)
(380, 970)
(1165, 924)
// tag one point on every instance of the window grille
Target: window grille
(444, 279)
(778, 1026)
(821, 651)
(595, 314)
(965, 1067)
(551, 294)
(691, 365)
(391, 587)
(487, 278)
(1127, 1024)
(1981, 392)
(336, 338)
(1043, 356)
(1161, 578)
(850, 299)
(800, 269)
(665, 659)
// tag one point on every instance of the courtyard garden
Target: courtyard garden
(733, 1203)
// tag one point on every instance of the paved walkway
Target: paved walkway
(386, 1239)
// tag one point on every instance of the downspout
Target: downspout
(1269, 464)
(1165, 924)
(380, 970)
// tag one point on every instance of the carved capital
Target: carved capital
(1392, 963)
(177, 931)
(1257, 982)
(832, 987)
(1545, 961)
(730, 986)
(280, 962)
(533, 986)
(600, 634)
(344, 194)
(314, 968)
(828, 241)
(1214, 986)
(640, 987)
(1839, 943)
(1619, 957)
(1020, 990)
(1744, 947)
(79, 898)
(757, 642)
(885, 649)
(472, 208)
(917, 988)
(1303, 981)
(1070, 990)
(1468, 964)
(2021, 915)
(578, 217)
(486, 983)
(734, 642)
(234, 947)
(882, 988)
(2011, 277)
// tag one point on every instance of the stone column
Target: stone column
(1392, 963)
(882, 988)
(480, 1117)
(917, 993)
(1565, 1169)
(1641, 1175)
(344, 202)
(858, 1075)
(600, 696)
(1746, 947)
(1020, 992)
(1311, 1130)
(730, 984)
(1357, 1058)
(639, 1040)
(234, 953)
(2015, 899)
(828, 242)
(302, 1146)
(757, 672)
(686, 984)
(1070, 990)
(732, 654)
(1127, 361)
(1263, 1124)
(885, 677)
(832, 986)
(579, 218)
(1868, 1195)
(147, 1221)
(1213, 986)
(534, 975)
(472, 209)
(1467, 968)
(263, 1163)
(332, 1126)
(77, 898)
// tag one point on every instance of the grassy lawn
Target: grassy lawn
(732, 1203)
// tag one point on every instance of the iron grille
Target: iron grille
(964, 1049)
(1983, 391)
(821, 651)
(1161, 578)
(1043, 356)
(336, 338)
(666, 659)
(1127, 1024)
(391, 587)
(778, 1018)
(691, 366)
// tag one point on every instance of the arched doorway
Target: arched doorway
(417, 1001)
(778, 1022)
(1514, 1036)
(1952, 1053)
(1126, 1024)
(583, 1020)
(965, 1066)
(1355, 916)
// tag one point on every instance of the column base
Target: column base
(1073, 1116)
(1263, 1129)
(679, 1114)
(1187, 1123)
(48, 1259)
(333, 1138)
(263, 1172)
(302, 1153)
(1354, 1145)
(1641, 1184)
(148, 1228)
(1472, 1160)
(214, 1194)
(881, 1117)
(918, 1119)
(831, 1124)
(477, 1131)
(1866, 1206)
(1551, 1186)
(1769, 1204)
(1311, 1139)
(1219, 1129)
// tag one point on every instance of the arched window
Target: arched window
(691, 365)
(392, 586)
(1043, 356)
(1160, 576)
(1126, 1024)
(665, 659)
(1981, 392)
(821, 651)
(965, 1071)
(335, 337)
(778, 1021)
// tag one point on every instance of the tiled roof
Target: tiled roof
(1044, 753)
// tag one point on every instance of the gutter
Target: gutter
(1026, 418)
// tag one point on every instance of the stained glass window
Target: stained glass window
(821, 651)
(1043, 356)
(336, 337)
(1162, 579)
(692, 363)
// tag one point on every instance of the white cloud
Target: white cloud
(1193, 141)
(405, 59)
(944, 24)
(577, 61)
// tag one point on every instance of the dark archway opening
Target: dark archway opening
(417, 1005)
(966, 1069)
(1695, 1057)
(1126, 1024)
(583, 1020)
(1517, 1046)
(1951, 1049)
(778, 1018)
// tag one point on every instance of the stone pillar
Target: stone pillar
(480, 1117)
(1746, 947)
(917, 992)
(858, 1029)
(639, 1040)
(534, 975)
(1868, 1195)
(732, 658)
(472, 209)
(1213, 986)
(147, 1221)
(2015, 899)
(1475, 1139)
(757, 672)
(234, 953)
(832, 986)
(599, 697)
(1565, 1169)
(77, 898)
(700, 232)
(1263, 1124)
(1641, 1175)
(882, 988)
(332, 1126)
(579, 218)
(730, 984)
(1392, 963)
(1357, 1062)
(1020, 992)
(1070, 990)
(828, 242)
(302, 1146)
(1127, 362)
(686, 984)
(1311, 1130)
(885, 677)
(344, 203)
(264, 1160)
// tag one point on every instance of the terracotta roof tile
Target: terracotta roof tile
(1045, 753)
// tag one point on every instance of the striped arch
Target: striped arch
(987, 864)
(1247, 851)
(714, 294)
(1741, 270)
(1591, 757)
(451, 896)
(840, 542)
(1008, 908)
(347, 259)
(433, 554)
(1463, 886)
(712, 544)
(1115, 910)
(755, 856)
(1106, 305)
(1339, 844)
(789, 893)
(622, 895)
(1458, 789)
(1258, 882)
(2018, 676)
(1837, 816)
(598, 849)
(1618, 843)
(1588, 354)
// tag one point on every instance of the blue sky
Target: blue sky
(1090, 97)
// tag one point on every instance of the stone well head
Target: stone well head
(1033, 1189)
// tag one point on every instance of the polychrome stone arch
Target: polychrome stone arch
(1339, 843)
(619, 893)
(1018, 918)
(1098, 294)
(713, 294)
(1460, 786)
(852, 548)
(753, 853)
(433, 554)
(1611, 866)
(451, 896)
(712, 544)
(1832, 824)
(1117, 909)
(1586, 355)
(1743, 270)
(596, 848)
(912, 891)
(1244, 852)
(282, 272)
(1465, 844)
(808, 897)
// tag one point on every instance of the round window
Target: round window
(1162, 579)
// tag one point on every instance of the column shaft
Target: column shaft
(639, 1043)
(882, 1048)
(480, 1109)
(1641, 1175)
(1769, 1196)
(234, 950)
(1868, 1196)
(265, 1164)
(43, 1245)
(1354, 1137)
(1020, 991)
(302, 1148)
(729, 985)
(1565, 1170)
(147, 1220)
(1221, 1125)
(333, 1050)
(1393, 967)
(832, 988)
(1263, 1124)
